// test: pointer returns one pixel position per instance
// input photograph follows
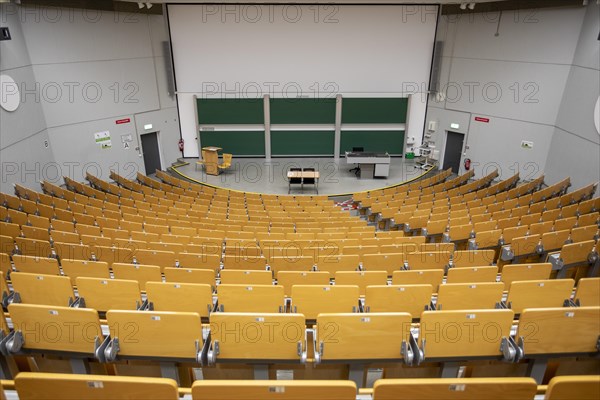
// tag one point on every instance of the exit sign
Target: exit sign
(481, 119)
(123, 121)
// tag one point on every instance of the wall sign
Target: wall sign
(103, 139)
(481, 119)
(10, 96)
(123, 121)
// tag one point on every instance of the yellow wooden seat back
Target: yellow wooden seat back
(389, 262)
(573, 387)
(472, 258)
(472, 275)
(50, 328)
(160, 258)
(428, 260)
(292, 263)
(555, 240)
(525, 272)
(559, 330)
(487, 239)
(118, 254)
(466, 296)
(335, 263)
(352, 336)
(42, 289)
(32, 385)
(431, 277)
(109, 294)
(588, 292)
(312, 300)
(455, 389)
(33, 247)
(466, 333)
(258, 336)
(243, 262)
(287, 279)
(576, 252)
(190, 275)
(90, 269)
(156, 333)
(273, 390)
(250, 298)
(362, 279)
(185, 297)
(411, 299)
(199, 261)
(36, 265)
(240, 277)
(136, 272)
(539, 294)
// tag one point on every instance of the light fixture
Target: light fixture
(149, 5)
(471, 6)
(463, 6)
(141, 5)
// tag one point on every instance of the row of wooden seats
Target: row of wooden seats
(441, 336)
(38, 386)
(309, 293)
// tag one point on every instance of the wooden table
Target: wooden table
(303, 175)
(211, 159)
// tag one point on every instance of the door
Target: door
(453, 151)
(151, 152)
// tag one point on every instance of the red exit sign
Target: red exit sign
(123, 121)
(481, 119)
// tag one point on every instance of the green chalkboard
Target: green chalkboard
(302, 111)
(230, 111)
(374, 110)
(238, 143)
(376, 141)
(289, 143)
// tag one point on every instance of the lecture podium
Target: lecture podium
(211, 159)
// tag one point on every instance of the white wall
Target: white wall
(91, 68)
(516, 80)
(289, 50)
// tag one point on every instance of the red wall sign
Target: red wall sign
(481, 119)
(123, 121)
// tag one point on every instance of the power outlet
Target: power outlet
(526, 144)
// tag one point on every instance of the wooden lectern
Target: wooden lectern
(211, 159)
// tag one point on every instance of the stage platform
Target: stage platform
(262, 176)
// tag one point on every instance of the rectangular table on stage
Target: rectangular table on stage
(305, 174)
(372, 165)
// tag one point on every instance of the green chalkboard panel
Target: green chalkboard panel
(302, 111)
(383, 110)
(377, 141)
(230, 111)
(238, 143)
(288, 143)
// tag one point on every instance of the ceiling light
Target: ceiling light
(463, 6)
(149, 5)
(141, 5)
(471, 6)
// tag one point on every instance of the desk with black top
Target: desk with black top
(372, 165)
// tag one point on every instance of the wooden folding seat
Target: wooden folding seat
(242, 262)
(185, 297)
(5, 265)
(109, 294)
(84, 219)
(334, 263)
(145, 236)
(525, 272)
(412, 299)
(287, 279)
(104, 222)
(162, 259)
(199, 261)
(65, 237)
(158, 334)
(250, 298)
(190, 275)
(72, 251)
(557, 332)
(463, 334)
(552, 241)
(42, 289)
(33, 247)
(458, 233)
(588, 219)
(90, 230)
(520, 248)
(11, 230)
(256, 337)
(362, 279)
(273, 390)
(93, 241)
(311, 300)
(573, 387)
(485, 240)
(584, 233)
(141, 273)
(431, 277)
(389, 262)
(7, 245)
(42, 222)
(455, 389)
(574, 255)
(428, 260)
(427, 247)
(91, 269)
(36, 265)
(240, 277)
(540, 228)
(466, 296)
(16, 217)
(65, 330)
(588, 292)
(351, 337)
(472, 275)
(360, 250)
(164, 246)
(472, 258)
(565, 223)
(539, 294)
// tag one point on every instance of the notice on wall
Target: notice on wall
(126, 140)
(103, 139)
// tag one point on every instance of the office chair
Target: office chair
(310, 181)
(357, 168)
(295, 181)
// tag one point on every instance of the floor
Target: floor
(259, 175)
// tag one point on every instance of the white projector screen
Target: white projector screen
(320, 50)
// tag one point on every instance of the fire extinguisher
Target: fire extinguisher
(180, 144)
(467, 164)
